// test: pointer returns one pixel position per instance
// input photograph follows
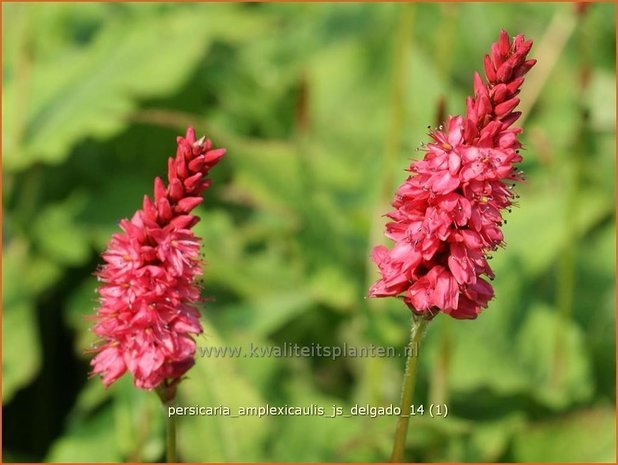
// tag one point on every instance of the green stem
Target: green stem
(167, 393)
(417, 330)
(170, 453)
(566, 270)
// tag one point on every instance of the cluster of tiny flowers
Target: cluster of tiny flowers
(147, 316)
(447, 215)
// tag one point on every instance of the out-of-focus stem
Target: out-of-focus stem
(417, 330)
(24, 18)
(547, 52)
(445, 39)
(23, 73)
(566, 271)
(165, 117)
(141, 435)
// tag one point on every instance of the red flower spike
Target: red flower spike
(147, 315)
(447, 215)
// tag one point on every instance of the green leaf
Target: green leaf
(332, 287)
(584, 436)
(536, 251)
(311, 438)
(25, 275)
(216, 382)
(490, 439)
(139, 422)
(130, 427)
(228, 263)
(59, 235)
(479, 362)
(90, 90)
(103, 209)
(269, 312)
(443, 438)
(91, 396)
(536, 350)
(21, 354)
(81, 303)
(481, 352)
(93, 441)
(601, 100)
(266, 174)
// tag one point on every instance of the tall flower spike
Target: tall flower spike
(147, 315)
(447, 215)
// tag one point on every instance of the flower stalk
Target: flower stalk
(167, 393)
(417, 331)
(149, 294)
(448, 214)
(170, 450)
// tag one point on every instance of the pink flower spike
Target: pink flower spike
(447, 215)
(147, 315)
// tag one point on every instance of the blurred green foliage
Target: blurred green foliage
(320, 107)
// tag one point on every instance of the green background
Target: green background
(321, 107)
